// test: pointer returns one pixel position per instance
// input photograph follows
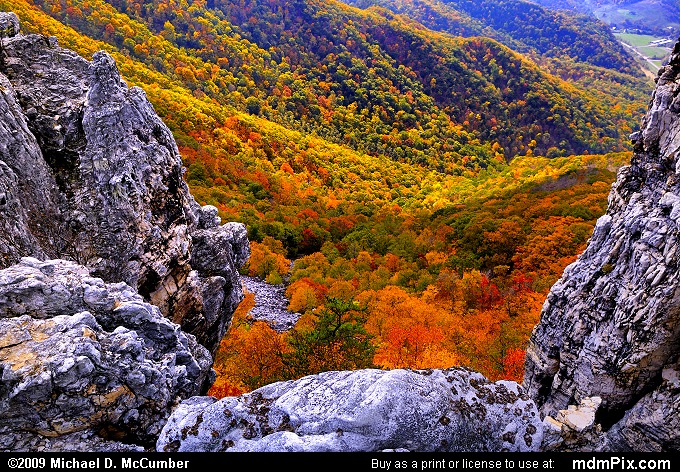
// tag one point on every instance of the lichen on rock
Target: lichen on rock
(80, 357)
(365, 410)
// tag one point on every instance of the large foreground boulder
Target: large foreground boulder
(87, 365)
(365, 410)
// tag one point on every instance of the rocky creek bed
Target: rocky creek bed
(270, 304)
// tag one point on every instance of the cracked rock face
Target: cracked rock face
(611, 325)
(86, 364)
(9, 24)
(654, 421)
(89, 173)
(30, 203)
(365, 410)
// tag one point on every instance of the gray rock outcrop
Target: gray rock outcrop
(271, 304)
(89, 173)
(87, 365)
(9, 24)
(610, 327)
(365, 410)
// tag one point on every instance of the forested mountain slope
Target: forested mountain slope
(649, 16)
(374, 151)
(364, 79)
(579, 49)
(90, 365)
(521, 25)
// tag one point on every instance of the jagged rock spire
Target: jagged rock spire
(610, 326)
(91, 189)
(90, 173)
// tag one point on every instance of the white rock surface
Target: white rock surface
(365, 410)
(80, 358)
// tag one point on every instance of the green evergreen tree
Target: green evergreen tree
(337, 341)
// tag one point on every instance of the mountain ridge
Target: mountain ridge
(291, 53)
(579, 37)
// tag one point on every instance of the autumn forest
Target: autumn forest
(417, 172)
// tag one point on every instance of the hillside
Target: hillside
(647, 28)
(521, 25)
(576, 48)
(330, 141)
(647, 16)
(90, 181)
(361, 79)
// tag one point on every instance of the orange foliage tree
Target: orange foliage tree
(266, 263)
(249, 357)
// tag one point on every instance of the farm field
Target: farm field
(641, 44)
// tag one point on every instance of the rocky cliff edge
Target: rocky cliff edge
(89, 173)
(105, 256)
(610, 327)
(87, 365)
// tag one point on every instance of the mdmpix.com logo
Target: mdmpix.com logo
(621, 463)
